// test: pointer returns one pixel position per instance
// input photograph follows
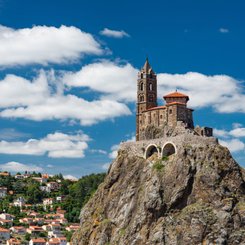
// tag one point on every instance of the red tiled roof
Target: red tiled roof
(175, 103)
(38, 240)
(3, 230)
(176, 95)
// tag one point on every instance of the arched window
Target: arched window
(150, 87)
(170, 111)
(141, 86)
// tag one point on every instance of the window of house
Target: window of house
(150, 87)
(141, 86)
(170, 111)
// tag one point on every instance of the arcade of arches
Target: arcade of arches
(167, 150)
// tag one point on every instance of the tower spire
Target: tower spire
(147, 66)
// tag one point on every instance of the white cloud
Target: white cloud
(223, 30)
(115, 81)
(114, 33)
(98, 151)
(70, 177)
(230, 138)
(44, 99)
(56, 145)
(19, 167)
(43, 45)
(118, 82)
(234, 145)
(113, 153)
(220, 92)
(238, 132)
(220, 133)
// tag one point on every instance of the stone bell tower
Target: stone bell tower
(146, 93)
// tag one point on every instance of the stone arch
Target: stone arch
(150, 150)
(168, 149)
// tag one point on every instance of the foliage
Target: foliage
(34, 194)
(79, 194)
(158, 166)
(76, 194)
(27, 237)
(68, 235)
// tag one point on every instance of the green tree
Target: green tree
(79, 194)
(34, 194)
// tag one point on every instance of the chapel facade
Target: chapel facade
(174, 112)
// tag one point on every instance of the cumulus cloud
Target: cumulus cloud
(114, 33)
(114, 80)
(221, 92)
(56, 145)
(41, 99)
(237, 131)
(43, 45)
(223, 30)
(48, 96)
(234, 145)
(19, 167)
(230, 138)
(113, 153)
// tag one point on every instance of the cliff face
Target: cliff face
(193, 197)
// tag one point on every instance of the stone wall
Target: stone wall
(164, 116)
(181, 141)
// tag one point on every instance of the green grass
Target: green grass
(158, 166)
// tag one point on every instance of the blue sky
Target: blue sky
(68, 75)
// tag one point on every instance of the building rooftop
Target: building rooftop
(176, 95)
